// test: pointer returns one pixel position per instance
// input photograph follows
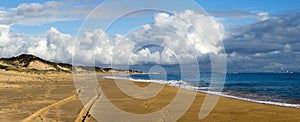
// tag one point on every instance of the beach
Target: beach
(53, 97)
(47, 97)
(149, 61)
(226, 109)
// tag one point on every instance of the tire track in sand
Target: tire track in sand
(84, 113)
(42, 110)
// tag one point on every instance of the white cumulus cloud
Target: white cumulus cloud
(170, 38)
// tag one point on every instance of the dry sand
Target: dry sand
(37, 97)
(52, 97)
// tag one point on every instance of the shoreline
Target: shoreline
(221, 94)
(226, 109)
(44, 94)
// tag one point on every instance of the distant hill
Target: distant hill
(34, 64)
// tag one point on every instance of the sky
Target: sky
(252, 35)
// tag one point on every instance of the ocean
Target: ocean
(281, 89)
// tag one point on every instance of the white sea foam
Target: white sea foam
(174, 83)
(252, 100)
(188, 86)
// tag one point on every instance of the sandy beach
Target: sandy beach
(149, 61)
(226, 109)
(53, 97)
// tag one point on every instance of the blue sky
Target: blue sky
(271, 6)
(247, 5)
(260, 35)
(274, 7)
(11, 4)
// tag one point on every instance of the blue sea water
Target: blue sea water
(262, 87)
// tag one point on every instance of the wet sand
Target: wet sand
(226, 109)
(52, 97)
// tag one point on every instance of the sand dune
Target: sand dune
(40, 66)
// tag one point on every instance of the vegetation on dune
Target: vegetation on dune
(21, 64)
(3, 67)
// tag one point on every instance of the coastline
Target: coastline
(187, 86)
(227, 109)
(48, 97)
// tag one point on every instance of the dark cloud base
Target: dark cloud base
(266, 46)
